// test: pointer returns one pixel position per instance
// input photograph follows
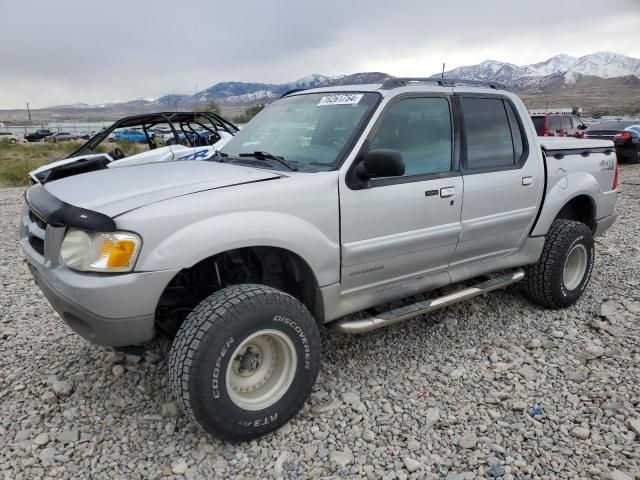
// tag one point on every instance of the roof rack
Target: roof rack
(442, 82)
(293, 90)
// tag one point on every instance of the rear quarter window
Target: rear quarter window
(538, 123)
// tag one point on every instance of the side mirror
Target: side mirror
(582, 126)
(382, 163)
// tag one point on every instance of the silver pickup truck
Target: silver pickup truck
(329, 202)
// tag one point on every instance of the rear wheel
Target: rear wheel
(563, 270)
(244, 361)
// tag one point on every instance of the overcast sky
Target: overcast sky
(68, 51)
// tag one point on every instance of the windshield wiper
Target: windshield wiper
(268, 156)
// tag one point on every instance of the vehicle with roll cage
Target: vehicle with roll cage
(328, 202)
(181, 130)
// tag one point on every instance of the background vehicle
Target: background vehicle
(558, 125)
(133, 136)
(38, 135)
(329, 201)
(9, 137)
(198, 138)
(163, 134)
(89, 156)
(624, 134)
(60, 137)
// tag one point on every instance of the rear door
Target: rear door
(578, 126)
(401, 228)
(502, 178)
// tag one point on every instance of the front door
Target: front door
(503, 179)
(404, 227)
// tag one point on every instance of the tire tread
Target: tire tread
(540, 276)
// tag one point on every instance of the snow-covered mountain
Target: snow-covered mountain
(234, 93)
(553, 75)
(544, 75)
(606, 65)
(558, 64)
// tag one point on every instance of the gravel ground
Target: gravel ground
(494, 387)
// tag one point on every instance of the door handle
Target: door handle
(447, 192)
(527, 181)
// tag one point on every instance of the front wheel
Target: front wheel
(563, 270)
(244, 361)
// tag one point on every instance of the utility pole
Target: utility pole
(443, 64)
(29, 113)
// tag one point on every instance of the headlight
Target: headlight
(100, 252)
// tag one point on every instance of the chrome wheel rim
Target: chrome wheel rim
(575, 267)
(261, 370)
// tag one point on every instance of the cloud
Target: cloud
(76, 51)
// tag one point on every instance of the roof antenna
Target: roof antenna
(443, 64)
(194, 121)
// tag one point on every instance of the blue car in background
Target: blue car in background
(136, 136)
(200, 138)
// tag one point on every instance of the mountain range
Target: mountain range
(557, 74)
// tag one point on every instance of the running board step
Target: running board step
(420, 308)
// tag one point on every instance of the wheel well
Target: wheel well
(272, 266)
(579, 209)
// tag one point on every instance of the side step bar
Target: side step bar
(420, 308)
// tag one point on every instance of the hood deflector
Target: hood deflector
(57, 213)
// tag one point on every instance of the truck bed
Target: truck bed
(583, 167)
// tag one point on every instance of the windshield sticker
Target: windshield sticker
(342, 99)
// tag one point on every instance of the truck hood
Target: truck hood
(114, 191)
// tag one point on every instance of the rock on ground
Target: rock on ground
(386, 402)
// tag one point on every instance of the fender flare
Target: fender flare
(577, 184)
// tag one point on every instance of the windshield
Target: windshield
(309, 129)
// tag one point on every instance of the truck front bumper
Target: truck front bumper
(107, 309)
(78, 298)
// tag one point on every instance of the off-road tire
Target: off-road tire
(544, 282)
(206, 341)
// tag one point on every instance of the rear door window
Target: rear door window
(489, 139)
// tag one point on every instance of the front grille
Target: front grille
(37, 220)
(37, 244)
(36, 231)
